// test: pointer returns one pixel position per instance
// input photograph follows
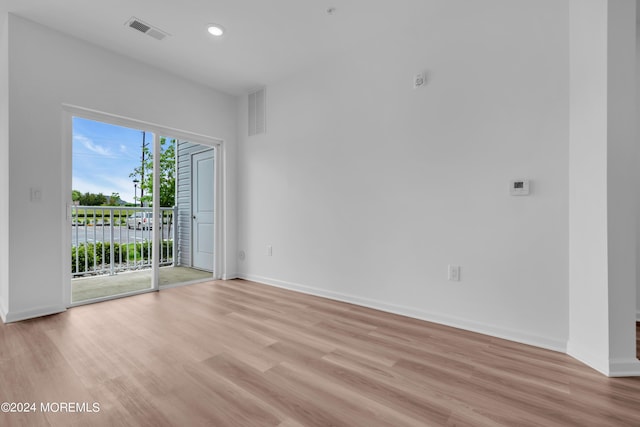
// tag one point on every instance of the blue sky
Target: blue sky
(103, 157)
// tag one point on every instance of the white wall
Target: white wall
(637, 193)
(588, 188)
(603, 201)
(4, 163)
(48, 69)
(367, 189)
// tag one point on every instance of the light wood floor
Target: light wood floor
(243, 354)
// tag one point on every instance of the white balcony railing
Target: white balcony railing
(108, 240)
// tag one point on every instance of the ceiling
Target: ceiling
(265, 40)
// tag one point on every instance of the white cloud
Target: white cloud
(91, 146)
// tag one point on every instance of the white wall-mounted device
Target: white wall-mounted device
(519, 187)
(454, 273)
(419, 80)
(36, 194)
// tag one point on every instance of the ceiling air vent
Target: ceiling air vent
(145, 28)
(257, 112)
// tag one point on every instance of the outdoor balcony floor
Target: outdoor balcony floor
(89, 288)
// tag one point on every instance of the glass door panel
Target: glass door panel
(111, 217)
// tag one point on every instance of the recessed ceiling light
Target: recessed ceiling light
(215, 30)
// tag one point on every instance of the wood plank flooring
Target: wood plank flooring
(238, 353)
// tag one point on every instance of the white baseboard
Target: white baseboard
(16, 316)
(608, 367)
(456, 322)
(624, 368)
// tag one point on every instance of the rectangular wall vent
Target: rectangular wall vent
(143, 27)
(257, 112)
(137, 25)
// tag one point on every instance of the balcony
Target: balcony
(111, 251)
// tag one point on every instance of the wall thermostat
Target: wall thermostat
(419, 80)
(519, 187)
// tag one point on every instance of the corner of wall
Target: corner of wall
(4, 164)
(637, 161)
(602, 171)
(230, 171)
(587, 356)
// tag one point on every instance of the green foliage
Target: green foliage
(91, 256)
(78, 258)
(119, 216)
(114, 199)
(107, 252)
(88, 199)
(168, 177)
(167, 252)
(167, 173)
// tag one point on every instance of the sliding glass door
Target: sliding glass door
(111, 214)
(143, 210)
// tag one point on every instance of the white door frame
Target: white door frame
(70, 111)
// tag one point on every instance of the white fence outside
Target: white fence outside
(112, 239)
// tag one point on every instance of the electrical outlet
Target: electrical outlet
(454, 273)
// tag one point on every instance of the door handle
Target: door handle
(194, 217)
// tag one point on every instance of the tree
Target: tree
(75, 195)
(91, 199)
(114, 199)
(167, 173)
